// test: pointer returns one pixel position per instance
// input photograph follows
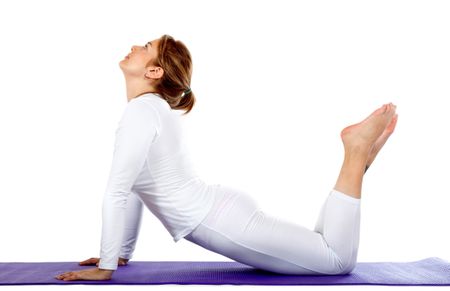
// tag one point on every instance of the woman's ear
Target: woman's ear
(154, 72)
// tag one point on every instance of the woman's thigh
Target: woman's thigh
(237, 228)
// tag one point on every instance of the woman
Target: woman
(151, 166)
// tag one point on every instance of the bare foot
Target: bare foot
(362, 136)
(379, 143)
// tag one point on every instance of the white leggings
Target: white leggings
(236, 228)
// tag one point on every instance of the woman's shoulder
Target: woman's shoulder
(141, 109)
(154, 100)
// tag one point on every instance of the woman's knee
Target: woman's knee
(336, 265)
(349, 268)
(344, 267)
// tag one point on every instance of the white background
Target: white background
(275, 82)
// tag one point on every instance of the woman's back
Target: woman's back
(168, 183)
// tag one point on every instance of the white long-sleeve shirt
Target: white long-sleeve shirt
(150, 160)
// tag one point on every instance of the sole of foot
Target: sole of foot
(379, 143)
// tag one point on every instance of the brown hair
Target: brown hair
(176, 61)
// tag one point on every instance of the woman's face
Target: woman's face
(134, 63)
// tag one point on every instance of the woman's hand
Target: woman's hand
(94, 261)
(95, 274)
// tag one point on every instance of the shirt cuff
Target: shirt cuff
(107, 266)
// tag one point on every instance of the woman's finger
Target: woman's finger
(70, 278)
(93, 260)
(63, 275)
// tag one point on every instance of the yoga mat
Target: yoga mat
(430, 271)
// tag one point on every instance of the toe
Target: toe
(393, 107)
(390, 128)
(390, 111)
(388, 108)
(380, 110)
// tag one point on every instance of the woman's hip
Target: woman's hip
(231, 211)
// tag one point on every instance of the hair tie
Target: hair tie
(187, 91)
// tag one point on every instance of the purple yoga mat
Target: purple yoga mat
(430, 271)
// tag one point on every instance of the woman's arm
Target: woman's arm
(138, 129)
(133, 218)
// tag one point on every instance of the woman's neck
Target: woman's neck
(136, 88)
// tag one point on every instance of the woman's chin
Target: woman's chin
(122, 63)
